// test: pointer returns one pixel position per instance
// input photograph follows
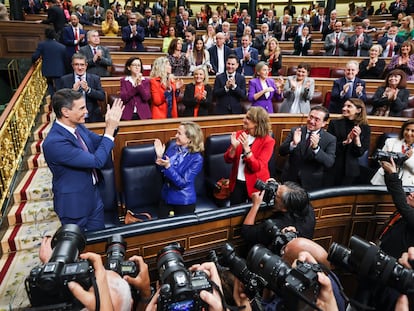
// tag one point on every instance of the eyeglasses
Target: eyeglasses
(135, 65)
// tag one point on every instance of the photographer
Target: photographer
(398, 234)
(291, 208)
(114, 291)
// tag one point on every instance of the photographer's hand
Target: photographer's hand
(257, 199)
(141, 282)
(407, 258)
(402, 304)
(152, 306)
(389, 167)
(239, 295)
(87, 298)
(214, 300)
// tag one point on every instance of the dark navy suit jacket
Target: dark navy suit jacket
(71, 166)
(247, 68)
(214, 56)
(96, 93)
(68, 38)
(54, 60)
(229, 102)
(129, 41)
(337, 101)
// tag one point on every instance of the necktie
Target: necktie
(337, 46)
(308, 138)
(94, 51)
(85, 148)
(351, 86)
(76, 39)
(390, 49)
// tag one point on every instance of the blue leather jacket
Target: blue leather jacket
(179, 185)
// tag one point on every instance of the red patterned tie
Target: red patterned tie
(76, 39)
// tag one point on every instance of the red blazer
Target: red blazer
(256, 167)
(159, 107)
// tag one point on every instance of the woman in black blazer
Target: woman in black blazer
(198, 96)
(303, 43)
(373, 67)
(352, 134)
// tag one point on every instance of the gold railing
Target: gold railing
(16, 123)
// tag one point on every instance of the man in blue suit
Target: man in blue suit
(218, 54)
(86, 83)
(54, 62)
(133, 35)
(230, 88)
(349, 86)
(75, 154)
(73, 36)
(248, 56)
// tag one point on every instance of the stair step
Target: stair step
(28, 212)
(41, 131)
(26, 236)
(36, 147)
(14, 268)
(47, 117)
(36, 160)
(35, 185)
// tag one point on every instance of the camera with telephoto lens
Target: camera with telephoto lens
(398, 157)
(279, 238)
(115, 255)
(269, 188)
(299, 286)
(47, 284)
(368, 261)
(180, 289)
(253, 283)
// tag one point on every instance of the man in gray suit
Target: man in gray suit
(97, 56)
(336, 43)
(311, 151)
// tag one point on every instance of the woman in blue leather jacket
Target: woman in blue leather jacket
(180, 165)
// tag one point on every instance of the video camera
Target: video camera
(369, 261)
(115, 255)
(47, 284)
(180, 289)
(398, 157)
(270, 189)
(279, 238)
(299, 287)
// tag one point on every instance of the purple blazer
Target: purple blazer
(138, 97)
(255, 86)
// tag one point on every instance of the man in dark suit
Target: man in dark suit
(182, 24)
(75, 154)
(84, 17)
(133, 35)
(311, 151)
(246, 21)
(390, 42)
(261, 39)
(319, 21)
(230, 88)
(219, 54)
(228, 36)
(282, 31)
(247, 55)
(54, 59)
(56, 17)
(97, 56)
(150, 25)
(73, 36)
(87, 84)
(31, 6)
(349, 86)
(336, 43)
(360, 42)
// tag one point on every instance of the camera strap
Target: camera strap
(96, 291)
(223, 301)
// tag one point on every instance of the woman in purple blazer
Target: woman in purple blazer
(135, 91)
(262, 90)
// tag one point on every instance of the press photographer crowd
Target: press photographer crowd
(280, 268)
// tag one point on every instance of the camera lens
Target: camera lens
(115, 248)
(67, 243)
(260, 185)
(339, 255)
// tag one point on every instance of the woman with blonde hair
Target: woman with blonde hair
(180, 164)
(272, 56)
(373, 67)
(198, 96)
(165, 90)
(209, 37)
(406, 29)
(110, 26)
(250, 151)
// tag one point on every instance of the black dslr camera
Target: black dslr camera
(115, 255)
(180, 289)
(269, 188)
(47, 284)
(253, 283)
(299, 287)
(279, 238)
(398, 157)
(369, 261)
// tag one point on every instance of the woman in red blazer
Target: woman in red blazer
(164, 90)
(250, 152)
